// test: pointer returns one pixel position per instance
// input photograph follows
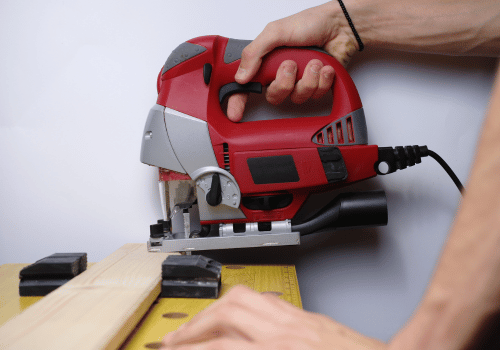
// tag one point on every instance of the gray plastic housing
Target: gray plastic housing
(176, 141)
(182, 53)
(190, 140)
(234, 48)
(156, 148)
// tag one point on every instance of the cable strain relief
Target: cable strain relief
(424, 151)
(399, 157)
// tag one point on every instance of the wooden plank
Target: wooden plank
(95, 310)
(11, 304)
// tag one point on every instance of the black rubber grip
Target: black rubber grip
(234, 88)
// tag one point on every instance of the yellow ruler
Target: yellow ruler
(167, 314)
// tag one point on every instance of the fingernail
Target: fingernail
(289, 70)
(328, 75)
(315, 68)
(241, 73)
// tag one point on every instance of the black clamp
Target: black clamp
(51, 272)
(190, 276)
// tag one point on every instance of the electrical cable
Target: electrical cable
(448, 170)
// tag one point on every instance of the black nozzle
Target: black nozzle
(355, 209)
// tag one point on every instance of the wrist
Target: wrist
(346, 11)
(350, 28)
(447, 322)
(449, 27)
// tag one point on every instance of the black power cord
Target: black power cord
(400, 157)
(447, 168)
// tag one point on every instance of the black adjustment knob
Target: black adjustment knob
(207, 73)
(214, 195)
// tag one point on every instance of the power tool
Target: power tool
(235, 185)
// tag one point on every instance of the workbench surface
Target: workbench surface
(166, 314)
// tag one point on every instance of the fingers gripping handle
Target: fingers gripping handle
(346, 96)
(234, 49)
(234, 88)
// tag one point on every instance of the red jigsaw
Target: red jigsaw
(245, 182)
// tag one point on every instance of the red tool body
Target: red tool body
(250, 179)
(182, 88)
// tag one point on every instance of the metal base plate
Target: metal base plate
(210, 243)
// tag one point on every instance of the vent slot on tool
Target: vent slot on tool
(320, 138)
(225, 153)
(340, 133)
(329, 132)
(346, 131)
(350, 131)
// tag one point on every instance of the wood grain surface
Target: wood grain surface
(95, 310)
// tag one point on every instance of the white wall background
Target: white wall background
(77, 80)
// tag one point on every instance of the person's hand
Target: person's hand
(244, 319)
(323, 26)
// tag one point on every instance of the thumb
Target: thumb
(252, 54)
(251, 59)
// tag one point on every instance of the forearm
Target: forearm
(455, 27)
(465, 290)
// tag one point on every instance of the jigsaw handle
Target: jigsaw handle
(345, 96)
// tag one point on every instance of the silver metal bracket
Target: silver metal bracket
(252, 228)
(279, 234)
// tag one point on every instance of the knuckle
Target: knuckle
(309, 86)
(221, 318)
(271, 298)
(247, 54)
(288, 68)
(286, 85)
(328, 73)
(236, 294)
(273, 30)
(272, 26)
(288, 63)
(238, 290)
(316, 62)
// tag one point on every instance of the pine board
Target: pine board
(95, 310)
